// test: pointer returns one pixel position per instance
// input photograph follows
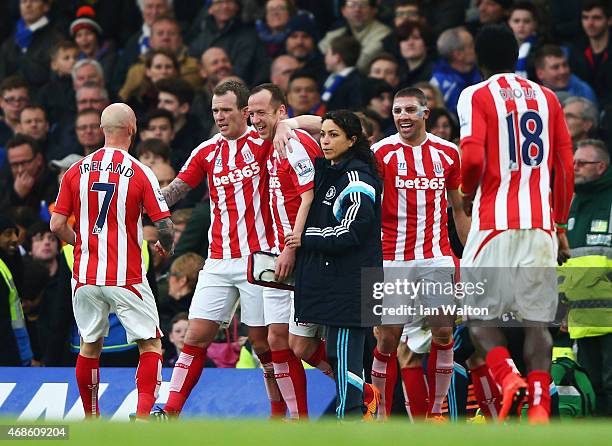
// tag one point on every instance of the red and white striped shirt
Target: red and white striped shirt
(107, 192)
(512, 135)
(414, 214)
(239, 197)
(289, 178)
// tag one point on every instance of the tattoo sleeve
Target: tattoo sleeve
(166, 233)
(175, 191)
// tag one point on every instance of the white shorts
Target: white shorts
(418, 339)
(517, 267)
(220, 284)
(433, 271)
(134, 305)
(279, 309)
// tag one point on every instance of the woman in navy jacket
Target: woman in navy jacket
(342, 239)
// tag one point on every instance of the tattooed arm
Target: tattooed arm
(166, 236)
(175, 191)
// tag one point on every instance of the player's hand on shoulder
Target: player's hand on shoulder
(283, 134)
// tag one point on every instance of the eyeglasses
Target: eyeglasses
(15, 100)
(83, 127)
(23, 163)
(581, 163)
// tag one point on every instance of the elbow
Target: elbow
(55, 225)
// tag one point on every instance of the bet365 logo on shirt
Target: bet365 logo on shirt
(420, 183)
(236, 175)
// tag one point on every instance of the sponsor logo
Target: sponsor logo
(420, 183)
(331, 193)
(236, 175)
(304, 167)
(274, 183)
(599, 226)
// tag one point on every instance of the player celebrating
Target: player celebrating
(513, 135)
(234, 161)
(291, 193)
(420, 170)
(109, 272)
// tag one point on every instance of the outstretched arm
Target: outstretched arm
(175, 191)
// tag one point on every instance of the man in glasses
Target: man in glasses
(30, 181)
(588, 233)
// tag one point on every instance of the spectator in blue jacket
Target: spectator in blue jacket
(456, 68)
(553, 71)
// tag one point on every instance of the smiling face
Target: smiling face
(409, 117)
(231, 120)
(264, 116)
(334, 141)
(162, 67)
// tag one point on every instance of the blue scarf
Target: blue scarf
(23, 35)
(524, 50)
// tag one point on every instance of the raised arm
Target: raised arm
(174, 191)
(284, 131)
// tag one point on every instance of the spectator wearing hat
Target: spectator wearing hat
(363, 26)
(57, 95)
(301, 43)
(219, 24)
(378, 99)
(304, 96)
(30, 182)
(87, 34)
(59, 167)
(15, 347)
(27, 52)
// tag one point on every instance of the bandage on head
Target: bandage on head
(410, 109)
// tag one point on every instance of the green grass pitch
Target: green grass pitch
(317, 433)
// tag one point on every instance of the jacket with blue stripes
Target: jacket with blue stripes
(342, 236)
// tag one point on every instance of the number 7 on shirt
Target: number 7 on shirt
(109, 190)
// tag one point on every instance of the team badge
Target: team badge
(247, 155)
(331, 193)
(438, 168)
(218, 164)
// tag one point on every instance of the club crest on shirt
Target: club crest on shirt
(304, 167)
(331, 193)
(438, 168)
(218, 164)
(247, 154)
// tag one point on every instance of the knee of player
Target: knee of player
(303, 347)
(442, 335)
(388, 339)
(278, 337)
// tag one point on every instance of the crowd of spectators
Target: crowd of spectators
(62, 62)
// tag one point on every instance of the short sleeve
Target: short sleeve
(154, 202)
(195, 168)
(301, 167)
(64, 204)
(453, 178)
